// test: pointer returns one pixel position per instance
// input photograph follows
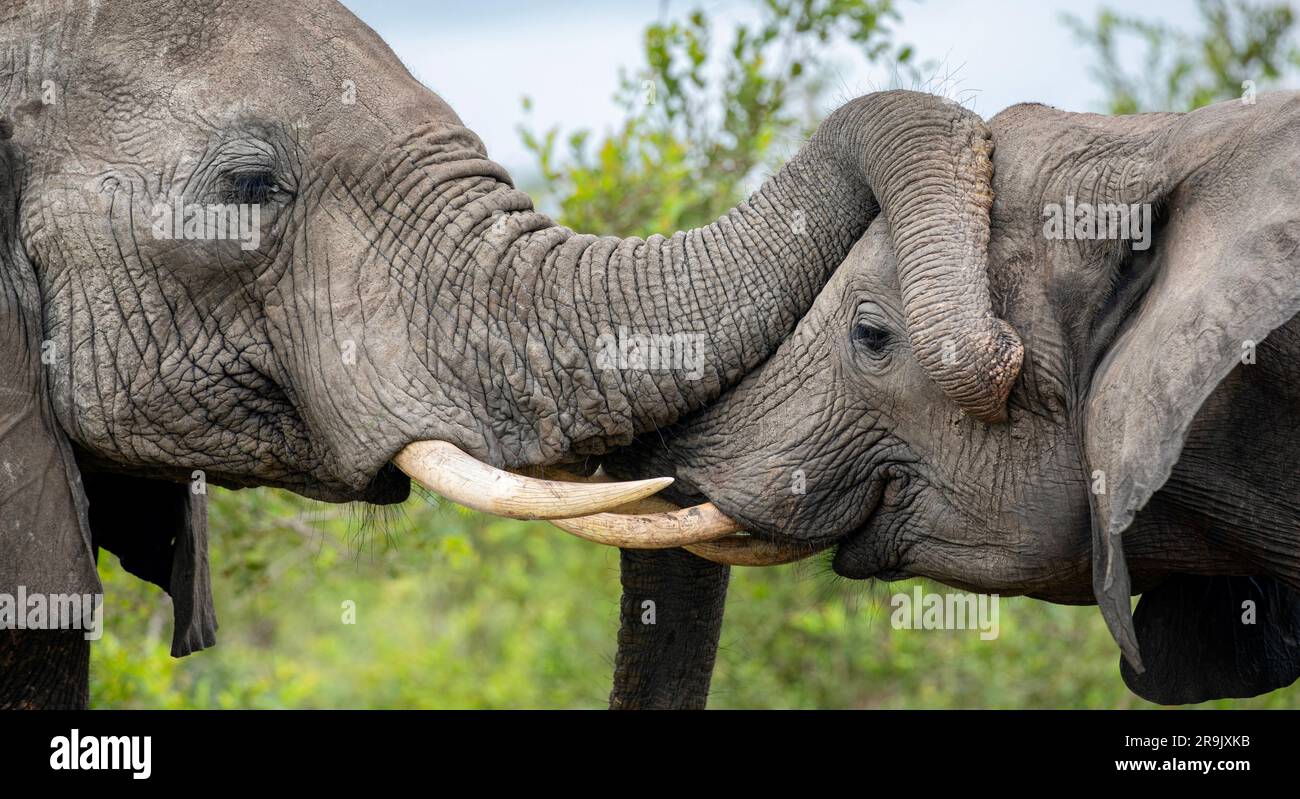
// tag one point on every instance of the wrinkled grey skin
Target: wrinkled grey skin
(402, 289)
(1133, 372)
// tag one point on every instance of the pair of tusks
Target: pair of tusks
(622, 514)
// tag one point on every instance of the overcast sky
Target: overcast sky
(483, 56)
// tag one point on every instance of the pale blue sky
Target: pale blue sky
(483, 56)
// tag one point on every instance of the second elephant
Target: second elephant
(1153, 435)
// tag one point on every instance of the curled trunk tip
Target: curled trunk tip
(978, 371)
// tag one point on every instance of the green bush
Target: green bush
(454, 609)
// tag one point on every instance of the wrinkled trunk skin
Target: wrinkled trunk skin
(941, 238)
(44, 670)
(743, 282)
(520, 324)
(667, 664)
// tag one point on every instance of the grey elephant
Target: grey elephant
(242, 246)
(1152, 437)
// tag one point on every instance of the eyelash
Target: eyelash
(874, 339)
(251, 188)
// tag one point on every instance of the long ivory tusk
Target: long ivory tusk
(675, 528)
(643, 521)
(731, 549)
(446, 469)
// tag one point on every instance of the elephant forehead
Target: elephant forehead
(871, 268)
(218, 61)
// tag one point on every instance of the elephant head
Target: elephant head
(1151, 440)
(242, 243)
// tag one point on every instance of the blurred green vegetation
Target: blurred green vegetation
(707, 114)
(458, 610)
(1235, 42)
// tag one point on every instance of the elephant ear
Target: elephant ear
(1220, 277)
(45, 544)
(1215, 637)
(159, 532)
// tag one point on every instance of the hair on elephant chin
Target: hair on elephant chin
(371, 524)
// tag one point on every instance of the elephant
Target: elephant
(1151, 437)
(242, 246)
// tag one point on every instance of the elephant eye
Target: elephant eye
(870, 337)
(251, 188)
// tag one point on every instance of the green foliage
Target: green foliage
(699, 121)
(1240, 41)
(454, 609)
(451, 609)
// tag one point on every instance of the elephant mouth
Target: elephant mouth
(860, 556)
(865, 553)
(388, 487)
(892, 575)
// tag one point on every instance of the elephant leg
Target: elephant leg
(670, 618)
(44, 669)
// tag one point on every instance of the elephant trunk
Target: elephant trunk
(745, 280)
(670, 618)
(940, 220)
